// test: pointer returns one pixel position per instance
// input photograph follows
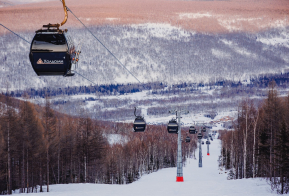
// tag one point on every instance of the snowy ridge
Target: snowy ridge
(232, 23)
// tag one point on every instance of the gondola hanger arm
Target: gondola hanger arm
(48, 26)
(64, 20)
(65, 12)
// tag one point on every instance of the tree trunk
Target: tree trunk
(23, 171)
(71, 176)
(47, 168)
(40, 176)
(232, 148)
(9, 162)
(282, 180)
(254, 143)
(245, 143)
(85, 169)
(271, 145)
(27, 181)
(58, 167)
(58, 155)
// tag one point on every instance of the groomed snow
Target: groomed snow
(207, 180)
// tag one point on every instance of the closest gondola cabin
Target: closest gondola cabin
(52, 52)
(139, 124)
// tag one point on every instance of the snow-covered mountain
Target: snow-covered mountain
(153, 53)
(158, 53)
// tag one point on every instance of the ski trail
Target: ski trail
(197, 181)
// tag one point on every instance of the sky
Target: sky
(27, 1)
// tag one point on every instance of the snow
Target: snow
(116, 139)
(227, 42)
(234, 46)
(232, 23)
(275, 41)
(164, 30)
(208, 180)
(220, 54)
(245, 52)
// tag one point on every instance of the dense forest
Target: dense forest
(39, 146)
(259, 145)
(158, 88)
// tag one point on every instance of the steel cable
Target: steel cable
(106, 48)
(15, 33)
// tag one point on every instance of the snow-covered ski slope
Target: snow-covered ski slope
(197, 181)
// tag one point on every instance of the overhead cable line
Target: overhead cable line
(104, 45)
(106, 48)
(15, 33)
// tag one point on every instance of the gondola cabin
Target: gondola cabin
(188, 139)
(204, 129)
(139, 124)
(52, 53)
(200, 136)
(208, 142)
(173, 126)
(192, 130)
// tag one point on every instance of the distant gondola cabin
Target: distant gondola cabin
(173, 126)
(139, 124)
(192, 130)
(200, 136)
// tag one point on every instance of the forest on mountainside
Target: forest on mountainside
(39, 146)
(208, 98)
(158, 88)
(259, 145)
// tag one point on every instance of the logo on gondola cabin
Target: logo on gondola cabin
(49, 61)
(39, 61)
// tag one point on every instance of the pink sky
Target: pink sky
(201, 16)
